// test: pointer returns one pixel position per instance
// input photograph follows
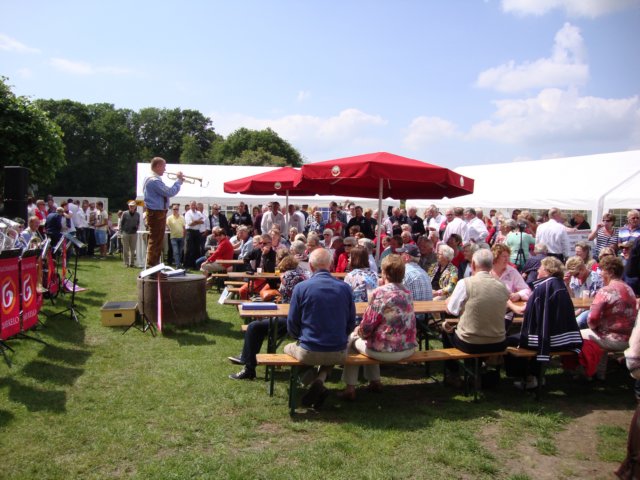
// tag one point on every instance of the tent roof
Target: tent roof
(591, 182)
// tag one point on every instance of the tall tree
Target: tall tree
(29, 138)
(161, 132)
(266, 144)
(101, 150)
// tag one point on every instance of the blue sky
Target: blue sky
(449, 82)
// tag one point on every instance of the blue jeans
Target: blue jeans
(582, 320)
(177, 245)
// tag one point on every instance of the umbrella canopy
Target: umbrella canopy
(273, 181)
(381, 175)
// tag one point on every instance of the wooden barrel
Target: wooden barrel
(184, 299)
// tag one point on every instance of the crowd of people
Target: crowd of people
(88, 221)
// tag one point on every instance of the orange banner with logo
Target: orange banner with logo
(10, 298)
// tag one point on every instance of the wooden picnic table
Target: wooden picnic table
(421, 306)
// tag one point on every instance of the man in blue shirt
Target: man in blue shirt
(321, 317)
(156, 199)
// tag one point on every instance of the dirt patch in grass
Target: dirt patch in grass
(577, 449)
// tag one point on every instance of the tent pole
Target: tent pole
(379, 223)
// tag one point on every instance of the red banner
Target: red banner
(10, 299)
(29, 296)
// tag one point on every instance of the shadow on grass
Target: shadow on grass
(50, 372)
(5, 418)
(36, 399)
(61, 329)
(185, 338)
(415, 406)
(67, 355)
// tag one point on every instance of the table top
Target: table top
(421, 306)
(230, 262)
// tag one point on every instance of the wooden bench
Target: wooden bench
(272, 360)
(233, 283)
(531, 354)
(233, 301)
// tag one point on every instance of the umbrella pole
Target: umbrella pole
(379, 220)
(287, 217)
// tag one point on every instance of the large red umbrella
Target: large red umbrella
(274, 181)
(381, 175)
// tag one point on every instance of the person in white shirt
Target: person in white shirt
(455, 224)
(295, 218)
(554, 235)
(476, 229)
(193, 220)
(273, 217)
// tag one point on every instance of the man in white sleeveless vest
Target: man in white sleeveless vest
(481, 301)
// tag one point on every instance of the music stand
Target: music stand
(147, 325)
(73, 314)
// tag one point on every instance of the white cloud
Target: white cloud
(565, 67)
(9, 44)
(303, 95)
(575, 8)
(25, 73)
(312, 135)
(84, 68)
(424, 130)
(555, 116)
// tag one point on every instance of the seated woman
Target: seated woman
(290, 276)
(343, 259)
(464, 269)
(455, 242)
(443, 274)
(277, 242)
(508, 275)
(549, 323)
(264, 257)
(388, 328)
(583, 250)
(293, 231)
(581, 283)
(360, 278)
(613, 313)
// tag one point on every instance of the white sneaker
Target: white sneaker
(528, 385)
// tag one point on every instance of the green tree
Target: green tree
(191, 152)
(161, 132)
(266, 145)
(29, 138)
(101, 151)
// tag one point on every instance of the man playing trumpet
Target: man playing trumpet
(156, 199)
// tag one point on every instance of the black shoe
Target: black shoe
(236, 360)
(321, 398)
(243, 374)
(310, 398)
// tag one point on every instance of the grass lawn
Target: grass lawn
(94, 403)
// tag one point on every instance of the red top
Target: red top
(223, 252)
(343, 262)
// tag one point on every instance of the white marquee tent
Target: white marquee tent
(214, 177)
(596, 183)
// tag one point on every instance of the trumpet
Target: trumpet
(187, 179)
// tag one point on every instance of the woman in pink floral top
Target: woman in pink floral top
(613, 312)
(388, 328)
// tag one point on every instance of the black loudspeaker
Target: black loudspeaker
(16, 180)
